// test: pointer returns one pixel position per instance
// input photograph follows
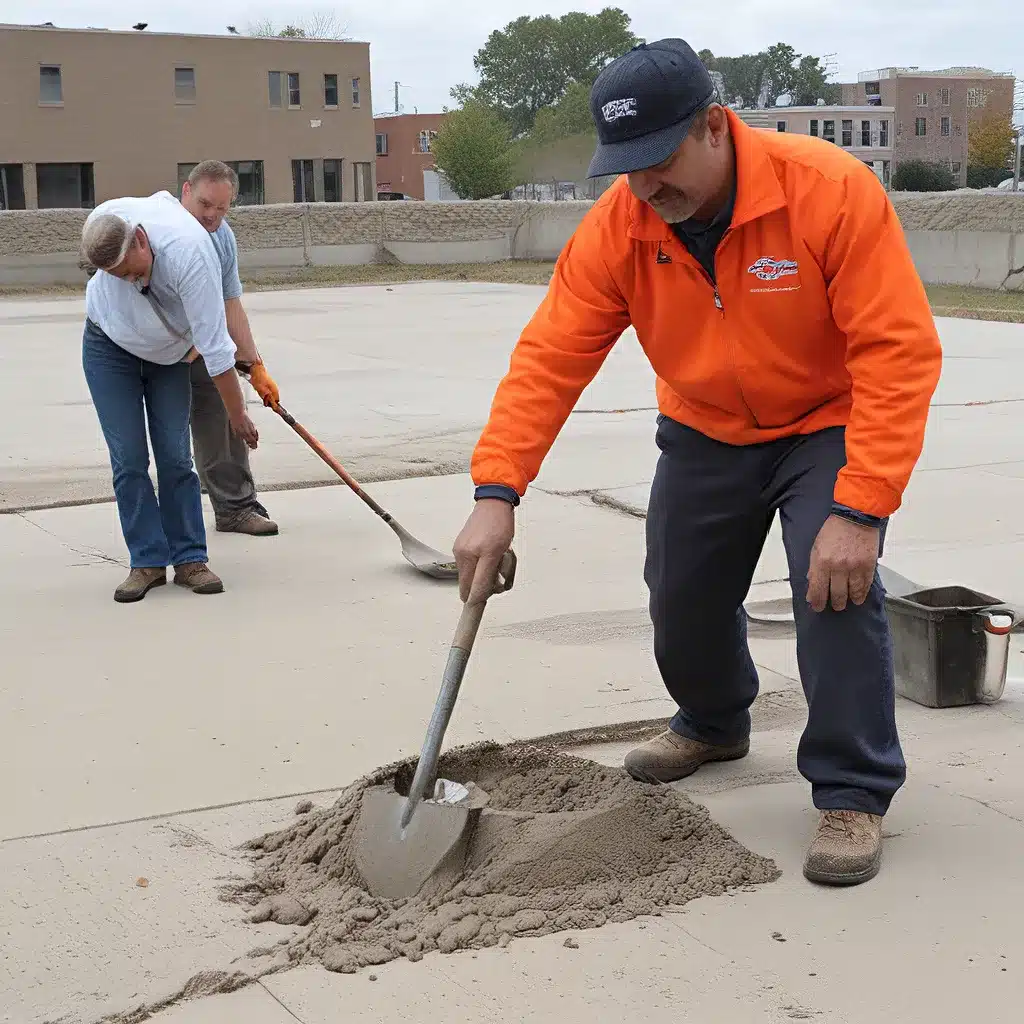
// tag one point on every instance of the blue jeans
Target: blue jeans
(710, 510)
(128, 391)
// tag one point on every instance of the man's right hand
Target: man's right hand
(481, 545)
(246, 430)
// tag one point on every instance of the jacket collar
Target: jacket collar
(758, 189)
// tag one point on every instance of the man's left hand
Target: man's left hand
(843, 562)
(264, 385)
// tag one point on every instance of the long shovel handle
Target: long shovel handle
(330, 460)
(451, 681)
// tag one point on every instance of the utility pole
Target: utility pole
(1016, 159)
(397, 84)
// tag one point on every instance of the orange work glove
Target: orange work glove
(264, 385)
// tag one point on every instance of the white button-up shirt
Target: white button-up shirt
(185, 283)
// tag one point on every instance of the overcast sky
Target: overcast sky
(428, 45)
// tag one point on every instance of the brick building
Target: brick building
(90, 114)
(865, 131)
(934, 110)
(403, 151)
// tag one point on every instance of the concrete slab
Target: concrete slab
(327, 613)
(253, 1005)
(396, 381)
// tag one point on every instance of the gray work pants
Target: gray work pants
(221, 458)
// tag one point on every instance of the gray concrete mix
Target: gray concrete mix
(119, 725)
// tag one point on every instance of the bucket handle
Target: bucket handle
(983, 619)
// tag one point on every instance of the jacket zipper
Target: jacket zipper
(721, 308)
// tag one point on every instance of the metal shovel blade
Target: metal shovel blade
(395, 863)
(421, 556)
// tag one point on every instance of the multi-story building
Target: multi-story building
(934, 110)
(90, 114)
(866, 131)
(403, 151)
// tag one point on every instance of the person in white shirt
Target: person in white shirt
(155, 305)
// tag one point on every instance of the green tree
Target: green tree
(990, 141)
(753, 78)
(474, 152)
(530, 64)
(568, 117)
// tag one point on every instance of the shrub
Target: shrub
(923, 176)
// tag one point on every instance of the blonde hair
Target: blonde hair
(214, 170)
(106, 239)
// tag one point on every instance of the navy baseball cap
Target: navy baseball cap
(643, 104)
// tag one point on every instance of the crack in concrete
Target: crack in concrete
(85, 553)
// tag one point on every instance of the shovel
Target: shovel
(426, 559)
(401, 842)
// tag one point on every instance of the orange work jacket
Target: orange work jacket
(818, 319)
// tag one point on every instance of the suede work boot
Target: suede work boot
(251, 523)
(670, 757)
(139, 583)
(198, 578)
(847, 849)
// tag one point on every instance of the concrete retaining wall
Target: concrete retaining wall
(956, 238)
(41, 246)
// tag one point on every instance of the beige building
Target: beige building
(865, 131)
(90, 114)
(934, 110)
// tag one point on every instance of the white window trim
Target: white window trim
(195, 86)
(331, 106)
(288, 90)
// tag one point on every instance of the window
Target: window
(355, 92)
(975, 97)
(274, 84)
(814, 128)
(65, 186)
(184, 170)
(363, 184)
(956, 166)
(944, 96)
(847, 133)
(865, 133)
(330, 90)
(921, 127)
(872, 89)
(883, 133)
(302, 181)
(426, 141)
(382, 144)
(944, 127)
(294, 94)
(12, 187)
(332, 181)
(828, 132)
(250, 181)
(921, 99)
(780, 126)
(184, 85)
(50, 90)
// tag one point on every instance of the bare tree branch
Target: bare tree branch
(321, 24)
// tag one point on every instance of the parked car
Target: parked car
(392, 197)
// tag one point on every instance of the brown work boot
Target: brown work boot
(669, 757)
(139, 583)
(198, 578)
(847, 849)
(247, 522)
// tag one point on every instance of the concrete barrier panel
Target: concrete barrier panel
(977, 258)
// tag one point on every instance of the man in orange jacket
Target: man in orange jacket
(770, 285)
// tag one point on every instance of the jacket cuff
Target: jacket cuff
(855, 516)
(500, 491)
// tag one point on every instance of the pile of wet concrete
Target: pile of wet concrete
(562, 844)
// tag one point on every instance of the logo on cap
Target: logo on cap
(615, 109)
(768, 269)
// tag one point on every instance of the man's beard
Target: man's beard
(671, 205)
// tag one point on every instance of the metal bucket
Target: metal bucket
(950, 646)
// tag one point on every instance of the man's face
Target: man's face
(207, 201)
(138, 261)
(690, 179)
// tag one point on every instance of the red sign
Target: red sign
(383, 186)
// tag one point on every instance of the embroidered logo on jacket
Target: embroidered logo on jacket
(768, 269)
(662, 257)
(619, 108)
